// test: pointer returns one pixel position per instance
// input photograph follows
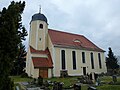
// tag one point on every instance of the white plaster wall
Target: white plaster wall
(49, 73)
(79, 64)
(36, 73)
(52, 53)
(38, 36)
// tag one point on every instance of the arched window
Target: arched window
(99, 59)
(41, 26)
(63, 58)
(83, 57)
(92, 60)
(74, 59)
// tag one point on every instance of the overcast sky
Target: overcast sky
(98, 20)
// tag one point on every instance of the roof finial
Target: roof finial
(39, 8)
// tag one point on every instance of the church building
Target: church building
(52, 53)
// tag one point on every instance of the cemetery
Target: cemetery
(103, 82)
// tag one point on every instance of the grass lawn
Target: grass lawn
(109, 87)
(67, 81)
(19, 79)
(109, 79)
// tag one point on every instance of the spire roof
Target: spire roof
(39, 16)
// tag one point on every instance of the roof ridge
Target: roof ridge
(66, 32)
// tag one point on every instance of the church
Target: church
(52, 53)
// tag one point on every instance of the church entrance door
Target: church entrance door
(43, 72)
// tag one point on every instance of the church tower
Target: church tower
(38, 32)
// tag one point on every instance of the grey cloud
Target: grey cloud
(98, 20)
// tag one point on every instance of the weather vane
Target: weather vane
(39, 8)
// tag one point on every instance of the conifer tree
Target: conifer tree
(12, 32)
(19, 62)
(111, 60)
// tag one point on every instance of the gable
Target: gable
(41, 61)
(69, 40)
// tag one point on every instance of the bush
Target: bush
(40, 81)
(24, 75)
(6, 84)
(117, 83)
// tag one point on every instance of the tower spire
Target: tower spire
(39, 8)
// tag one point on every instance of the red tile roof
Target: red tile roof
(41, 61)
(64, 39)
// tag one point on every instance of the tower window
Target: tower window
(40, 39)
(41, 26)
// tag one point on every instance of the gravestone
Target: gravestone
(77, 86)
(92, 88)
(98, 82)
(57, 86)
(114, 77)
(63, 73)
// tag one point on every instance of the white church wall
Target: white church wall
(29, 66)
(33, 32)
(42, 36)
(36, 73)
(49, 73)
(56, 69)
(38, 36)
(79, 64)
(52, 52)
